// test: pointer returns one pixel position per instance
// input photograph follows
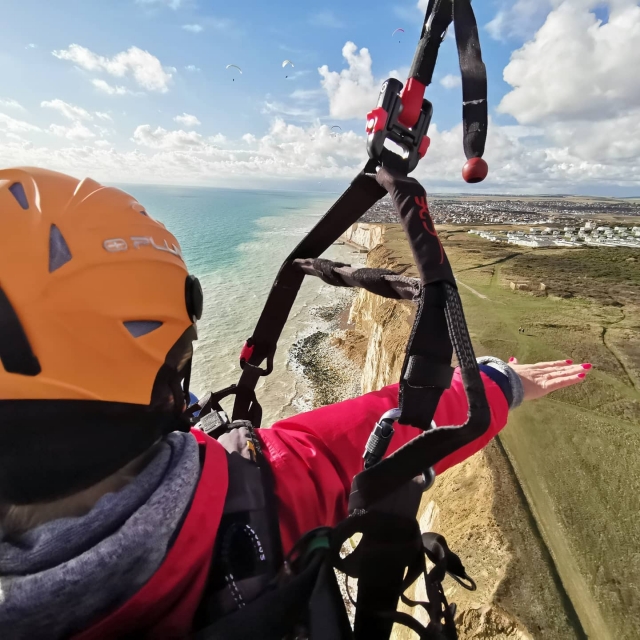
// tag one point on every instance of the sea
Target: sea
(234, 241)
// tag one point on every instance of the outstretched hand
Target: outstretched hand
(542, 378)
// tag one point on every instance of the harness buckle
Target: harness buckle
(247, 352)
(379, 441)
(386, 122)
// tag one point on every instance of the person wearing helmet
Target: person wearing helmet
(109, 504)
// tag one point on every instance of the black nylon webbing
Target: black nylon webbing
(437, 18)
(354, 202)
(474, 79)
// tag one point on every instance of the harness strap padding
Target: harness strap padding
(422, 373)
(382, 282)
(361, 194)
(428, 347)
(474, 79)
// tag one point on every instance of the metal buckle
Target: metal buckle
(384, 122)
(379, 440)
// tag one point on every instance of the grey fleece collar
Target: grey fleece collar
(60, 577)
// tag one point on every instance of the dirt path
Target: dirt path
(476, 293)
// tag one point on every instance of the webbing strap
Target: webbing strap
(474, 79)
(437, 19)
(361, 194)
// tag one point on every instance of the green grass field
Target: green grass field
(577, 453)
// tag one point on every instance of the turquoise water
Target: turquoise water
(234, 242)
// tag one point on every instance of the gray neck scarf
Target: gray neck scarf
(60, 577)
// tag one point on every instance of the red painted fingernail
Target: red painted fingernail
(587, 365)
(582, 375)
(569, 361)
(511, 359)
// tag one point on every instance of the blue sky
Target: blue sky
(108, 105)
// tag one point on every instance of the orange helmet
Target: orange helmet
(97, 317)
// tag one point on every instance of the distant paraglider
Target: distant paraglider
(335, 130)
(397, 31)
(234, 66)
(285, 63)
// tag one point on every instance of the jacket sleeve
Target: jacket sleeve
(315, 455)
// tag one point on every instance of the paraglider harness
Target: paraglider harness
(253, 592)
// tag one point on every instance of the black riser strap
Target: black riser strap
(353, 204)
(426, 54)
(410, 201)
(474, 79)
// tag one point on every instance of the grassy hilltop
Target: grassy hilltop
(576, 454)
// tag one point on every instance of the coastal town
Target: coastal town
(563, 222)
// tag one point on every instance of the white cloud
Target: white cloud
(187, 120)
(70, 111)
(77, 131)
(192, 68)
(352, 92)
(577, 67)
(556, 145)
(103, 116)
(160, 138)
(285, 152)
(104, 131)
(274, 107)
(307, 94)
(194, 28)
(451, 81)
(31, 45)
(16, 126)
(422, 5)
(326, 19)
(145, 68)
(109, 89)
(9, 103)
(518, 18)
(172, 4)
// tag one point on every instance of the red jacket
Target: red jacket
(314, 457)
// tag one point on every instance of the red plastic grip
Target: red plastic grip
(424, 145)
(247, 351)
(475, 170)
(379, 117)
(412, 96)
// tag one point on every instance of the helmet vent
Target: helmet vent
(59, 253)
(139, 328)
(17, 191)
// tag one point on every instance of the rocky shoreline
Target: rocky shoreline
(328, 374)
